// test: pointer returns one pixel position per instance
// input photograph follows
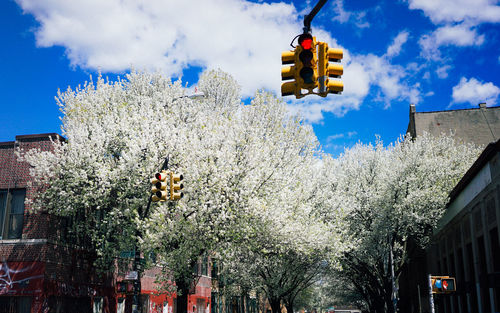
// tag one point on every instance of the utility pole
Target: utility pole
(137, 266)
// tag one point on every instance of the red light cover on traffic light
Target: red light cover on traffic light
(161, 176)
(306, 44)
(305, 41)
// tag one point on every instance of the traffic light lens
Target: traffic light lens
(306, 43)
(307, 74)
(306, 57)
(161, 176)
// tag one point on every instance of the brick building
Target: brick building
(39, 273)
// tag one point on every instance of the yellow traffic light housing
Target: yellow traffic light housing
(289, 73)
(307, 64)
(159, 188)
(309, 70)
(176, 186)
(327, 70)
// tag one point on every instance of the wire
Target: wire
(291, 43)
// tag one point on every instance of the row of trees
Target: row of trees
(260, 194)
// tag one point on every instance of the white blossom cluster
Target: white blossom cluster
(260, 195)
(391, 198)
(250, 171)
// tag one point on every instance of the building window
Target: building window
(12, 213)
(204, 266)
(15, 304)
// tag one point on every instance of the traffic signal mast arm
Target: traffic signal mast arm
(309, 17)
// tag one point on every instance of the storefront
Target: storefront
(24, 288)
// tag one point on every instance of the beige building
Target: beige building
(478, 125)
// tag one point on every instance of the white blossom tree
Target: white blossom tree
(292, 245)
(245, 169)
(392, 198)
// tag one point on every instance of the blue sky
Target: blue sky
(438, 54)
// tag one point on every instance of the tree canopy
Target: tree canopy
(260, 194)
(392, 197)
(249, 171)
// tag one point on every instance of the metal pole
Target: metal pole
(431, 297)
(136, 300)
(308, 18)
(419, 300)
(136, 303)
(394, 290)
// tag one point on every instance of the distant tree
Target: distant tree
(391, 195)
(283, 261)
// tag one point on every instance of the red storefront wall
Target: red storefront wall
(27, 279)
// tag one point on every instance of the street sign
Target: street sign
(132, 275)
(443, 284)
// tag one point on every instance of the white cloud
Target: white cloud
(442, 71)
(312, 108)
(333, 137)
(240, 37)
(474, 92)
(391, 79)
(474, 11)
(395, 48)
(361, 74)
(342, 16)
(349, 134)
(461, 35)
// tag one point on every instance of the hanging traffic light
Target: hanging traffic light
(176, 186)
(327, 70)
(159, 188)
(443, 284)
(310, 70)
(289, 73)
(306, 65)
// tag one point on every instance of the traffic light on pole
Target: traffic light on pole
(443, 284)
(289, 72)
(176, 186)
(327, 70)
(159, 188)
(306, 65)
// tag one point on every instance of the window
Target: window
(204, 266)
(15, 304)
(11, 213)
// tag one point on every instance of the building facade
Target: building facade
(40, 273)
(476, 125)
(466, 243)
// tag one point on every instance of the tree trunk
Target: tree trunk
(275, 305)
(289, 307)
(182, 297)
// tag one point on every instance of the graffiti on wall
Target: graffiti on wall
(21, 277)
